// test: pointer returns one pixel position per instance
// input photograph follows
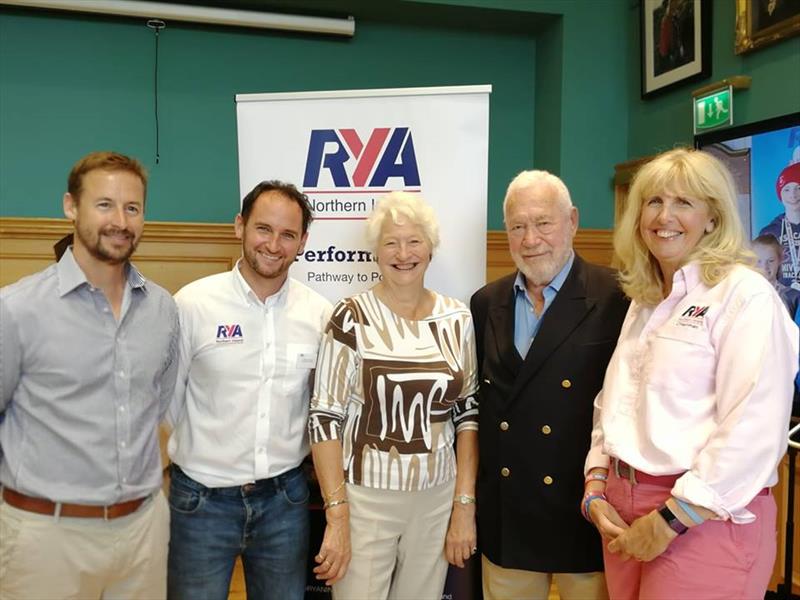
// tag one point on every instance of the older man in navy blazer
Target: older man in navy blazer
(544, 337)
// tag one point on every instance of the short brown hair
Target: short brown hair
(770, 241)
(106, 161)
(288, 190)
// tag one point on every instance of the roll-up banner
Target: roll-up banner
(347, 149)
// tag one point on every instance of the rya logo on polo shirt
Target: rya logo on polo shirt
(229, 334)
(693, 316)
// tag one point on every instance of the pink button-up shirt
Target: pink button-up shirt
(702, 383)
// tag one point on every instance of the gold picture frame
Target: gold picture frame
(760, 23)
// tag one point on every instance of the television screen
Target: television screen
(764, 158)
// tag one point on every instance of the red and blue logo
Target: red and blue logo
(227, 334)
(387, 159)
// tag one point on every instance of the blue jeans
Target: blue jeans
(266, 523)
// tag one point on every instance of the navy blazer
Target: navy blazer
(536, 420)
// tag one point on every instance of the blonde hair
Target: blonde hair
(684, 172)
(402, 207)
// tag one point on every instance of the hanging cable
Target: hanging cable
(156, 25)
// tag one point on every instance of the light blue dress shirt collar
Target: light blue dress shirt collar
(71, 276)
(526, 321)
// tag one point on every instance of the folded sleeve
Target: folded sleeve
(465, 411)
(757, 358)
(334, 375)
(596, 458)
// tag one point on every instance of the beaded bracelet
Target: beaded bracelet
(588, 497)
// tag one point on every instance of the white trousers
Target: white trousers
(397, 541)
(47, 558)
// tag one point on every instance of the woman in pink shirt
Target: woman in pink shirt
(693, 416)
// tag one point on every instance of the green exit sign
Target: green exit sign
(713, 110)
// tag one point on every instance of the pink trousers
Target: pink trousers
(717, 559)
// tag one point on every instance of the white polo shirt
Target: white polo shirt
(242, 396)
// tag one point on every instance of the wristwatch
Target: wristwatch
(673, 521)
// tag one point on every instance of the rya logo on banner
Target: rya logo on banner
(350, 163)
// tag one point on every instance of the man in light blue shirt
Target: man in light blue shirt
(88, 363)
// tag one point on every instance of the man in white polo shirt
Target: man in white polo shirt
(249, 341)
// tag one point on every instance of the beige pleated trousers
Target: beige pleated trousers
(397, 541)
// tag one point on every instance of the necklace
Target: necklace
(794, 251)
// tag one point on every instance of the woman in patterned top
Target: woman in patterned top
(395, 388)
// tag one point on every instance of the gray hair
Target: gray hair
(402, 207)
(538, 179)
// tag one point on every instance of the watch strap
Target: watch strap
(673, 521)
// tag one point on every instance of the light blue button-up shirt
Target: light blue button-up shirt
(82, 392)
(526, 321)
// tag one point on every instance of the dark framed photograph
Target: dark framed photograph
(763, 22)
(676, 43)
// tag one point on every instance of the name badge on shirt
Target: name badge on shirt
(306, 360)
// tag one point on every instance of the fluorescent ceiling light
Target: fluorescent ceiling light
(197, 14)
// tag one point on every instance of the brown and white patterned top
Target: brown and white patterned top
(395, 391)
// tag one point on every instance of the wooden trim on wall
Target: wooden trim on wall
(594, 245)
(173, 254)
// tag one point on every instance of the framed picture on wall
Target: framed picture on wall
(763, 22)
(676, 43)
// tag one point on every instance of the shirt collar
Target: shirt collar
(247, 292)
(71, 276)
(686, 279)
(555, 284)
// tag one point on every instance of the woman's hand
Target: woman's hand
(462, 536)
(606, 519)
(334, 553)
(647, 538)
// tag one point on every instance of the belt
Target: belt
(625, 471)
(46, 507)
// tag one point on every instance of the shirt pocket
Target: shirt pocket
(682, 359)
(300, 361)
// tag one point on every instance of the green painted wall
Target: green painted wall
(70, 84)
(666, 120)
